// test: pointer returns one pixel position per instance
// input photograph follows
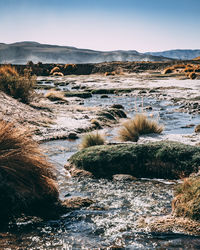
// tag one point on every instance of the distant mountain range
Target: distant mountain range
(183, 54)
(21, 52)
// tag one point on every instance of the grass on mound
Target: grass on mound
(19, 87)
(92, 139)
(168, 160)
(187, 200)
(26, 179)
(139, 125)
(53, 95)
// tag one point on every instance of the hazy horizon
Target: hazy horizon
(145, 25)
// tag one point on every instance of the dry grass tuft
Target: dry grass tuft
(139, 125)
(92, 139)
(113, 73)
(168, 70)
(8, 70)
(26, 179)
(192, 75)
(55, 69)
(19, 87)
(58, 74)
(187, 200)
(54, 95)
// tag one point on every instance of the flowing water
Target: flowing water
(119, 207)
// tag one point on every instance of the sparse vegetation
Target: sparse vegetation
(167, 70)
(55, 69)
(192, 75)
(187, 200)
(139, 125)
(19, 87)
(112, 73)
(197, 129)
(26, 179)
(92, 139)
(54, 95)
(58, 74)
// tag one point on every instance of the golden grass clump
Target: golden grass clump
(19, 87)
(54, 95)
(168, 70)
(139, 125)
(58, 74)
(26, 179)
(192, 75)
(187, 199)
(55, 69)
(92, 139)
(113, 73)
(8, 70)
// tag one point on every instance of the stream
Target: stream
(114, 220)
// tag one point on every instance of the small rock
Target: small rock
(104, 96)
(124, 177)
(117, 106)
(72, 136)
(77, 202)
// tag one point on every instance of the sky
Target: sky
(142, 25)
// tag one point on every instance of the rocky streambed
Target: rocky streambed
(126, 212)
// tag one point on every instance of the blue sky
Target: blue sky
(143, 25)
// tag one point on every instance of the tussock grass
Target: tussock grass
(92, 139)
(187, 200)
(58, 74)
(19, 87)
(55, 69)
(168, 70)
(26, 179)
(139, 125)
(54, 95)
(192, 75)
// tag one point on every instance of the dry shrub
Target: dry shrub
(58, 74)
(168, 70)
(113, 73)
(192, 75)
(53, 95)
(19, 87)
(139, 125)
(8, 70)
(92, 139)
(187, 200)
(70, 68)
(178, 66)
(197, 129)
(55, 69)
(26, 179)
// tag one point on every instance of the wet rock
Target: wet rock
(148, 108)
(188, 126)
(169, 224)
(117, 106)
(104, 96)
(77, 203)
(79, 173)
(123, 177)
(142, 92)
(73, 136)
(78, 94)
